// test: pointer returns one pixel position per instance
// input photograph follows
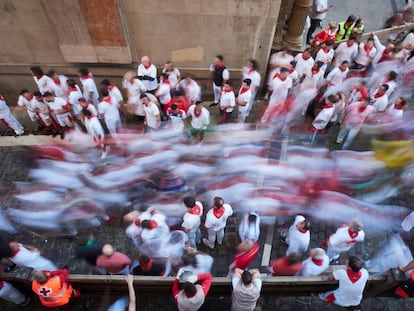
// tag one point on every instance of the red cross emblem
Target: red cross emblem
(45, 291)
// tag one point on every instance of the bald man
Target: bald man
(147, 73)
(112, 262)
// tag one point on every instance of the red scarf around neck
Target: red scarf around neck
(73, 89)
(111, 86)
(218, 212)
(352, 234)
(367, 49)
(315, 71)
(353, 276)
(317, 262)
(89, 76)
(305, 58)
(277, 75)
(197, 113)
(244, 90)
(303, 230)
(147, 67)
(107, 99)
(378, 95)
(196, 210)
(57, 81)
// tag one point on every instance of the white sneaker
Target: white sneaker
(207, 243)
(105, 152)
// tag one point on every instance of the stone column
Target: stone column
(294, 37)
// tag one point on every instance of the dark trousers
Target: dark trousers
(315, 23)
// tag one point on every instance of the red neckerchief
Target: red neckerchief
(196, 210)
(197, 113)
(361, 109)
(341, 69)
(111, 86)
(219, 66)
(277, 75)
(317, 262)
(73, 89)
(91, 116)
(147, 67)
(153, 224)
(367, 50)
(146, 266)
(377, 95)
(39, 77)
(325, 49)
(228, 91)
(88, 76)
(398, 107)
(107, 99)
(303, 230)
(218, 212)
(57, 81)
(327, 106)
(314, 71)
(14, 253)
(303, 57)
(353, 276)
(31, 97)
(166, 82)
(329, 299)
(1, 97)
(244, 90)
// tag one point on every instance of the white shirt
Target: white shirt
(380, 103)
(74, 95)
(192, 90)
(61, 89)
(345, 52)
(311, 80)
(191, 221)
(177, 119)
(309, 268)
(395, 113)
(245, 298)
(252, 75)
(151, 71)
(298, 241)
(342, 241)
(244, 97)
(46, 84)
(249, 231)
(200, 122)
(135, 88)
(319, 5)
(336, 76)
(151, 111)
(57, 104)
(363, 57)
(280, 89)
(163, 93)
(302, 65)
(217, 224)
(116, 94)
(4, 109)
(89, 86)
(325, 57)
(109, 110)
(173, 77)
(348, 293)
(228, 100)
(24, 102)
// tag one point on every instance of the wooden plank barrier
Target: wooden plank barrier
(95, 285)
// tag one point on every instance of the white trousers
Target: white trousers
(12, 294)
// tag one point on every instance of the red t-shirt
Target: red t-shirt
(281, 267)
(113, 264)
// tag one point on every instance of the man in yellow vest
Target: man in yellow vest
(345, 28)
(52, 287)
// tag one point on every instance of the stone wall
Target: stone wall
(66, 34)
